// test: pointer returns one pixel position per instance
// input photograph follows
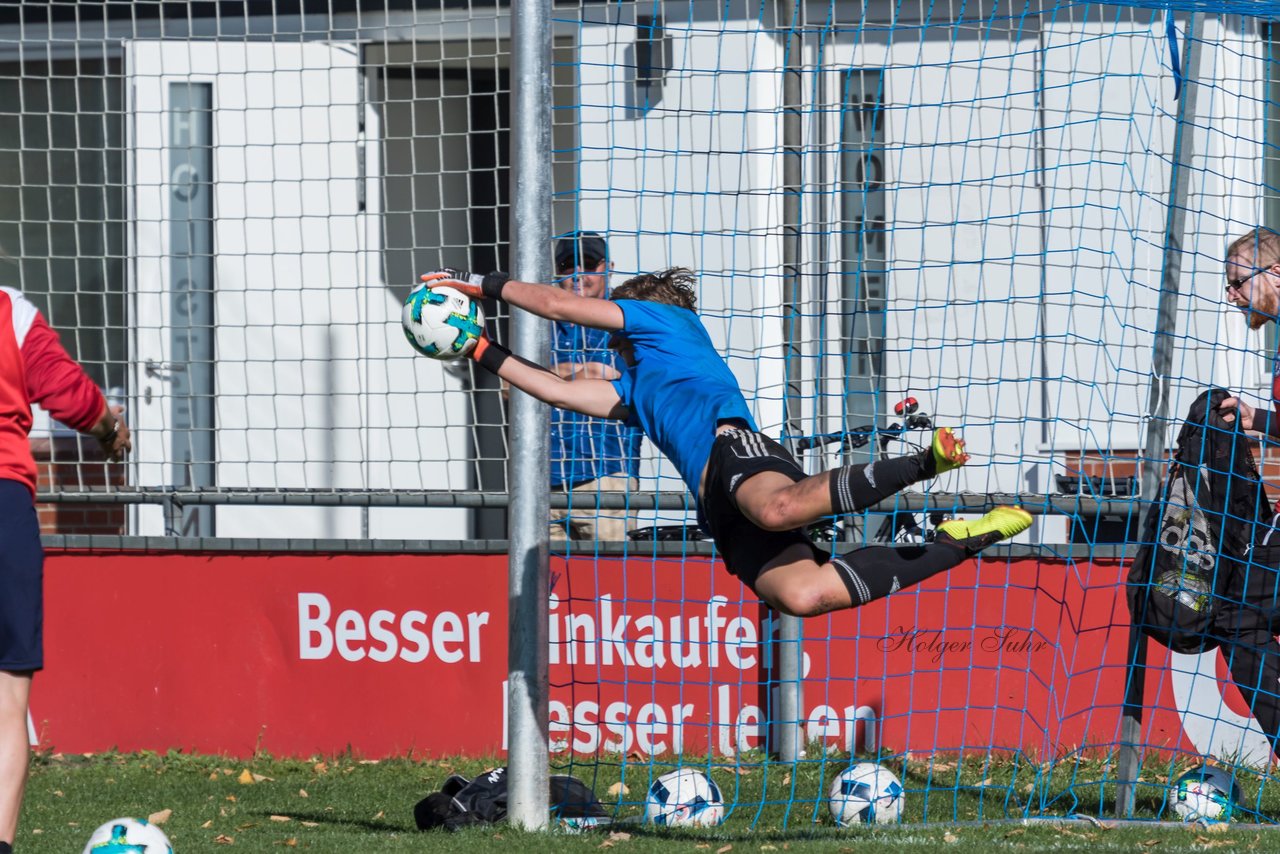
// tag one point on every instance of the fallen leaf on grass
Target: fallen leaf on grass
(291, 842)
(57, 793)
(1018, 832)
(320, 767)
(619, 836)
(950, 837)
(380, 814)
(246, 778)
(38, 830)
(1211, 843)
(246, 825)
(1216, 827)
(1149, 843)
(231, 798)
(619, 788)
(281, 818)
(768, 848)
(310, 824)
(986, 782)
(724, 849)
(223, 839)
(944, 766)
(208, 824)
(370, 761)
(302, 793)
(213, 776)
(787, 779)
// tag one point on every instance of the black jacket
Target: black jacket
(1198, 533)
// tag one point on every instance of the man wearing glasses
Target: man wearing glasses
(1248, 617)
(1253, 286)
(589, 456)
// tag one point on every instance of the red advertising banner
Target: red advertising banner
(301, 654)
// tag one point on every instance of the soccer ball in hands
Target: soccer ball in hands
(442, 323)
(684, 798)
(128, 836)
(865, 794)
(1204, 793)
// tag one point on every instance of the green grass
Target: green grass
(346, 805)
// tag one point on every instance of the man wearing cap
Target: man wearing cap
(589, 456)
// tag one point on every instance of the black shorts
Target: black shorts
(21, 581)
(737, 455)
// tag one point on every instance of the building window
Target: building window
(62, 203)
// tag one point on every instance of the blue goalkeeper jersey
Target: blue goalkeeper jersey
(585, 448)
(679, 389)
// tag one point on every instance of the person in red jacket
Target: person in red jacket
(34, 368)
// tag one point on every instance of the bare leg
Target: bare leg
(796, 584)
(15, 690)
(774, 502)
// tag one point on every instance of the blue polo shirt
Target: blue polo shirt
(679, 389)
(585, 448)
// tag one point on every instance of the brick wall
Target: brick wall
(1124, 464)
(59, 468)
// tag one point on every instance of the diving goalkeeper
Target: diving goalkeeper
(752, 496)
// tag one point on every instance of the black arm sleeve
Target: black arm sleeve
(1267, 422)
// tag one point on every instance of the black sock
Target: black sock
(857, 487)
(874, 572)
(6, 848)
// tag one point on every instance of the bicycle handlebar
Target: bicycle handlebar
(860, 436)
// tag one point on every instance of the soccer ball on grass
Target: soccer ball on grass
(684, 798)
(128, 836)
(865, 794)
(1204, 793)
(442, 323)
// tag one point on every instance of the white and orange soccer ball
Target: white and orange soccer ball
(442, 323)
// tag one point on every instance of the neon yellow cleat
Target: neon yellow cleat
(1000, 524)
(948, 450)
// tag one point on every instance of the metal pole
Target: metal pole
(527, 685)
(1158, 396)
(790, 652)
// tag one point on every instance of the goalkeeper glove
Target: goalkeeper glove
(474, 285)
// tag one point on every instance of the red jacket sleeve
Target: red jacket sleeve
(57, 382)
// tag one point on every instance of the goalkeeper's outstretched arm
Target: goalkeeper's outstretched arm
(543, 300)
(597, 398)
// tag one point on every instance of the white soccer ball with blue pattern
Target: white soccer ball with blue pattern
(442, 323)
(1205, 793)
(684, 798)
(865, 794)
(128, 836)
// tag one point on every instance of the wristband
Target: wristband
(491, 284)
(490, 355)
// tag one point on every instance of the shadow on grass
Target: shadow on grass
(328, 819)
